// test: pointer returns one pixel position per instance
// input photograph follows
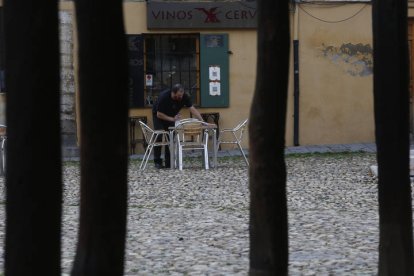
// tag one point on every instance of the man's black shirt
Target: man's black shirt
(168, 106)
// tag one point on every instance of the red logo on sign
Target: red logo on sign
(211, 15)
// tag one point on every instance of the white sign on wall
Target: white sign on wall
(215, 88)
(214, 73)
(148, 80)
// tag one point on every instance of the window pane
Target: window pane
(189, 62)
(171, 59)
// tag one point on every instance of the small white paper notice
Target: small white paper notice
(214, 73)
(148, 80)
(215, 89)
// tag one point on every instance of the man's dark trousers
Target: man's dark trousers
(161, 125)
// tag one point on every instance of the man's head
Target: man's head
(177, 92)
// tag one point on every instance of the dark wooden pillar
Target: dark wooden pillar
(103, 87)
(268, 207)
(391, 101)
(34, 188)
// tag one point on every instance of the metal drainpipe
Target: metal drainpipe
(296, 92)
(296, 78)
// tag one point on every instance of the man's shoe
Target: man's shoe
(158, 166)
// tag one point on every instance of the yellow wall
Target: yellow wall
(336, 96)
(336, 101)
(242, 43)
(335, 105)
(410, 8)
(336, 93)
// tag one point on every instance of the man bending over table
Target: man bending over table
(165, 112)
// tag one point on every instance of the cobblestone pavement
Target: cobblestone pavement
(195, 222)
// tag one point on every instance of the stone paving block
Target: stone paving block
(293, 150)
(337, 148)
(319, 149)
(357, 147)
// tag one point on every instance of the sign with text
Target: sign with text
(201, 15)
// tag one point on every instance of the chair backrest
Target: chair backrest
(151, 135)
(239, 129)
(190, 131)
(177, 123)
(146, 131)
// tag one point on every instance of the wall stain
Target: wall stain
(354, 59)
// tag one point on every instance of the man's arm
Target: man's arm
(165, 117)
(195, 113)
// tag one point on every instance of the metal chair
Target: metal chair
(134, 139)
(233, 136)
(3, 142)
(151, 137)
(191, 136)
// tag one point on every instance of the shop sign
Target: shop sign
(201, 15)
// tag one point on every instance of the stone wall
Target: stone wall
(68, 115)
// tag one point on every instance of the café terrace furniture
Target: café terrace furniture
(212, 117)
(133, 132)
(190, 135)
(3, 142)
(209, 128)
(187, 120)
(151, 137)
(233, 136)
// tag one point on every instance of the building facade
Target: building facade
(210, 47)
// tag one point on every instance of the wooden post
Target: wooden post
(391, 103)
(268, 207)
(33, 177)
(104, 116)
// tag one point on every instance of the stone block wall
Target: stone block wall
(68, 111)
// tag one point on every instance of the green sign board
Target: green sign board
(214, 70)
